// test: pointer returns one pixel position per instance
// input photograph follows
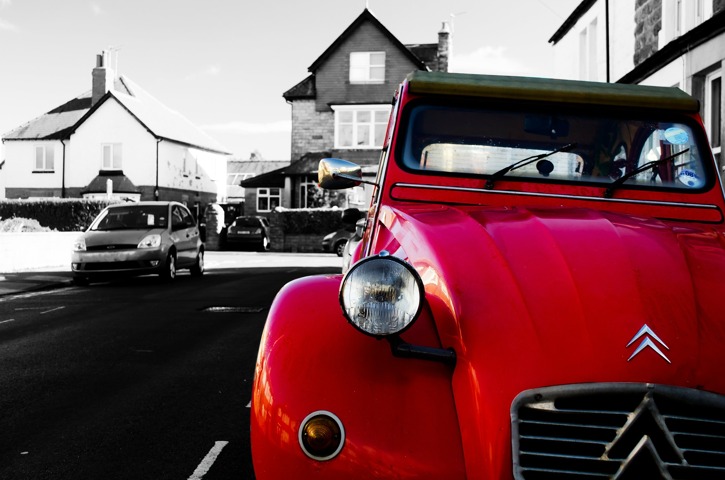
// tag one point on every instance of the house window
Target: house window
(588, 52)
(713, 109)
(112, 156)
(308, 188)
(360, 126)
(356, 197)
(367, 67)
(44, 158)
(681, 16)
(268, 199)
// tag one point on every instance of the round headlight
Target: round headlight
(381, 295)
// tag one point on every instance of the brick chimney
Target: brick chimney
(444, 47)
(103, 76)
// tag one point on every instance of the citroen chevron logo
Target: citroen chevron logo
(648, 335)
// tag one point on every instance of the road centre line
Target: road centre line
(52, 310)
(208, 461)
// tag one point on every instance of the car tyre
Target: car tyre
(168, 272)
(198, 269)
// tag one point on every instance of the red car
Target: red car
(538, 294)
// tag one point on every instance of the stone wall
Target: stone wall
(648, 21)
(312, 131)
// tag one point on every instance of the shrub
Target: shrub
(62, 214)
(17, 224)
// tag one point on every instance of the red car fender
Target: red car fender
(398, 414)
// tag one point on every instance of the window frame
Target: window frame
(713, 136)
(47, 162)
(355, 125)
(113, 148)
(306, 182)
(265, 193)
(361, 70)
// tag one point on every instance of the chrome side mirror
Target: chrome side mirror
(337, 174)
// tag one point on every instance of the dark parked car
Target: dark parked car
(139, 238)
(349, 249)
(249, 231)
(335, 241)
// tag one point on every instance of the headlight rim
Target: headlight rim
(384, 256)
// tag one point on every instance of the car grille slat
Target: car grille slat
(627, 430)
(111, 248)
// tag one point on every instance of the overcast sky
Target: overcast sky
(224, 64)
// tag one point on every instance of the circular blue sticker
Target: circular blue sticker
(676, 136)
(690, 178)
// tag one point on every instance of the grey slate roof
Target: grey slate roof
(162, 122)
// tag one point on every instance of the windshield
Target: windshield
(132, 217)
(554, 147)
(247, 222)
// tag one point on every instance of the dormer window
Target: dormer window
(367, 67)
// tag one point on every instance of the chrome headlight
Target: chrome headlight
(381, 295)
(150, 241)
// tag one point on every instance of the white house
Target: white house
(115, 140)
(672, 43)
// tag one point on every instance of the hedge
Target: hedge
(310, 221)
(61, 214)
(73, 214)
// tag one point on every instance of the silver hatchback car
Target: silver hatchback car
(137, 239)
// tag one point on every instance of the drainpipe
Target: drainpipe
(156, 190)
(606, 28)
(62, 186)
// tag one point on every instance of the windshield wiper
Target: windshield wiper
(618, 182)
(523, 162)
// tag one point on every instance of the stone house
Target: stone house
(115, 140)
(650, 42)
(341, 110)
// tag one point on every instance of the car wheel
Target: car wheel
(198, 269)
(340, 247)
(80, 281)
(168, 271)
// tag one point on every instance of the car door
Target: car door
(184, 234)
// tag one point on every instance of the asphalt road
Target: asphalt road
(134, 379)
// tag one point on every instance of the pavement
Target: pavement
(46, 278)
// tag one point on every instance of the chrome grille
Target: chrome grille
(619, 432)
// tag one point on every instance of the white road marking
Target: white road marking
(208, 461)
(52, 310)
(6, 321)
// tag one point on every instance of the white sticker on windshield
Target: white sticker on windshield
(676, 136)
(149, 219)
(690, 178)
